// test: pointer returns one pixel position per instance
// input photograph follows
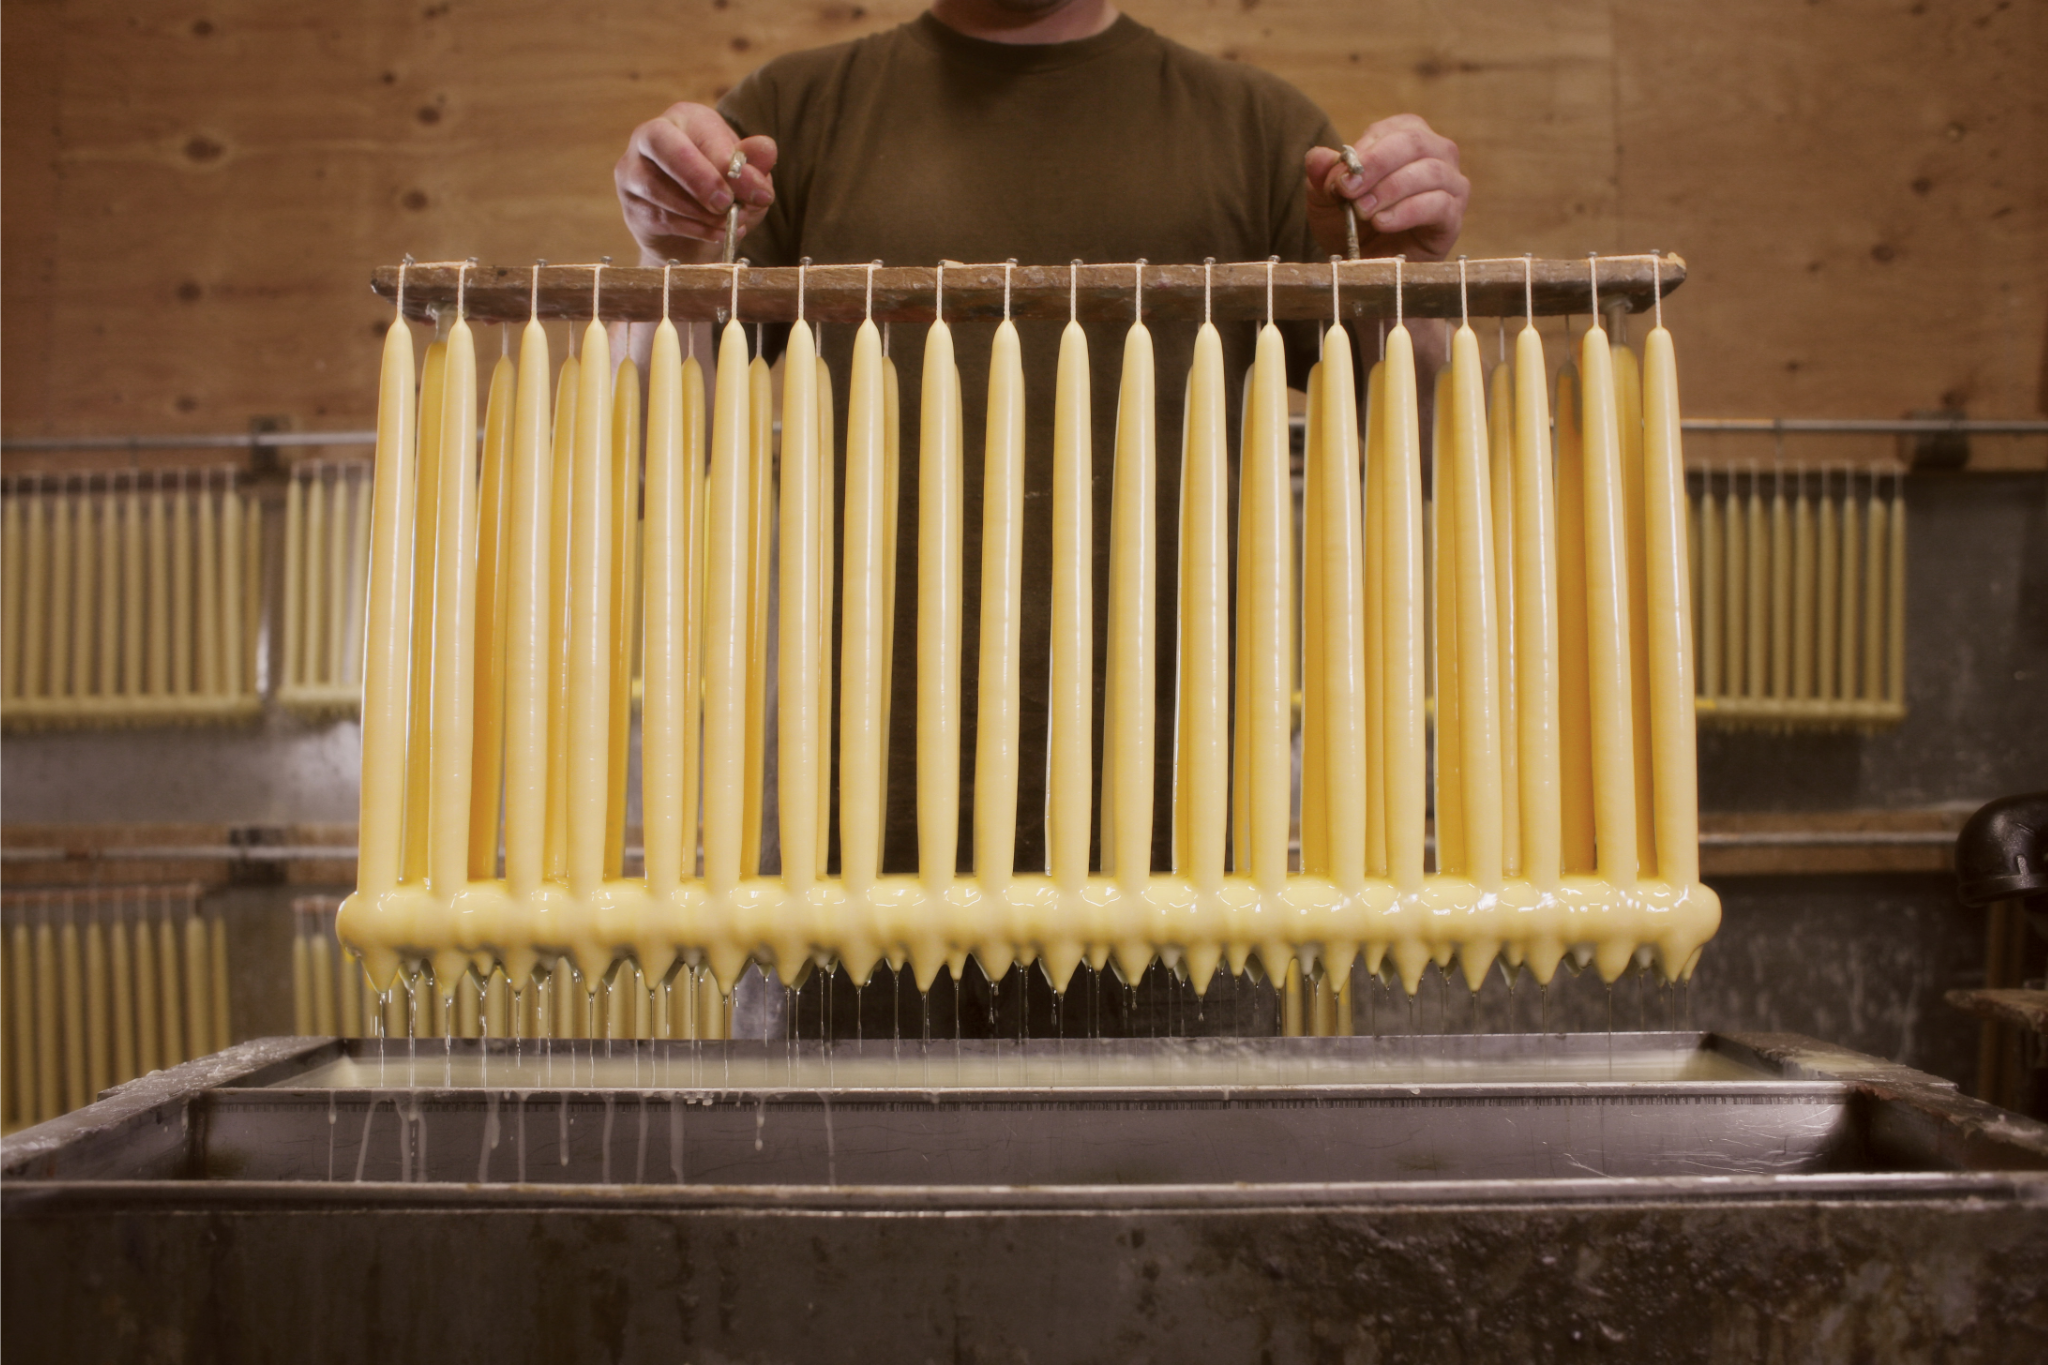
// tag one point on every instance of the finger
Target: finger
(1431, 209)
(1322, 166)
(684, 159)
(716, 139)
(640, 175)
(757, 185)
(663, 220)
(1417, 177)
(1380, 159)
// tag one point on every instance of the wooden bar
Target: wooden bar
(1173, 293)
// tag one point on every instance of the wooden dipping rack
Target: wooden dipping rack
(1499, 287)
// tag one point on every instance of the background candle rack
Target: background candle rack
(102, 986)
(326, 559)
(1799, 592)
(130, 599)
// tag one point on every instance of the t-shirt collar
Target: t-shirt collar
(1024, 57)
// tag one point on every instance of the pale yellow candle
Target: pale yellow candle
(999, 686)
(1735, 597)
(181, 590)
(1674, 730)
(938, 614)
(35, 594)
(1343, 621)
(1628, 409)
(217, 949)
(665, 708)
(1263, 538)
(1500, 416)
(625, 511)
(98, 1055)
(1241, 668)
(1802, 589)
(312, 555)
(1574, 719)
(231, 666)
(828, 457)
(294, 576)
(252, 588)
(1827, 588)
(590, 618)
(199, 989)
(1895, 598)
(892, 448)
(1202, 745)
(49, 1055)
(172, 1037)
(14, 568)
(1069, 750)
(380, 829)
(692, 669)
(760, 520)
(1313, 802)
(863, 665)
(1537, 668)
(208, 553)
(1449, 804)
(1693, 511)
(797, 611)
(71, 994)
(61, 605)
(1877, 540)
(1713, 578)
(358, 574)
(133, 660)
(1756, 647)
(1128, 722)
(149, 1051)
(427, 484)
(1399, 488)
(1478, 625)
(84, 559)
(562, 478)
(727, 504)
(337, 604)
(1609, 687)
(452, 732)
(1847, 657)
(121, 989)
(1781, 591)
(1375, 622)
(21, 1039)
(322, 973)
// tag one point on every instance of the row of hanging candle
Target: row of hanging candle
(104, 985)
(528, 637)
(136, 602)
(1800, 598)
(326, 555)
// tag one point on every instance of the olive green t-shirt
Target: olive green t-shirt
(921, 144)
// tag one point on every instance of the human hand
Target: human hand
(673, 189)
(1410, 196)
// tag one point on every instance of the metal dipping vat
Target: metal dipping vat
(1558, 1196)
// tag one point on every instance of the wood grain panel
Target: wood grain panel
(196, 196)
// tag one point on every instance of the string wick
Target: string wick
(1593, 280)
(1464, 300)
(461, 282)
(1008, 266)
(1529, 285)
(402, 265)
(1208, 285)
(1074, 290)
(1271, 261)
(1400, 260)
(871, 290)
(803, 267)
(1138, 296)
(1657, 287)
(596, 285)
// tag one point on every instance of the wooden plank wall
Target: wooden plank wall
(195, 193)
